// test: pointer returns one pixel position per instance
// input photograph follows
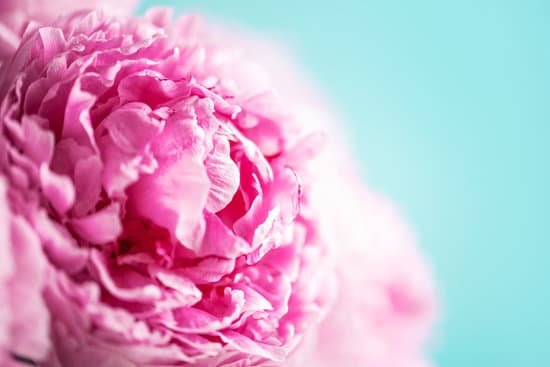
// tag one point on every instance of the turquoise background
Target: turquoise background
(448, 103)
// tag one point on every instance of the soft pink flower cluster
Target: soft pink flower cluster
(385, 303)
(162, 203)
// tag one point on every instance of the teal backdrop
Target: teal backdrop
(448, 108)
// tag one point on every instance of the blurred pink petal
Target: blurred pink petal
(24, 318)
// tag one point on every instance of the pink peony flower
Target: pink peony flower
(164, 191)
(175, 210)
(15, 16)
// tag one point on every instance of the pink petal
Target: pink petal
(100, 227)
(59, 244)
(209, 270)
(132, 127)
(184, 286)
(173, 198)
(219, 240)
(76, 122)
(123, 282)
(223, 174)
(53, 42)
(122, 169)
(150, 87)
(249, 346)
(87, 181)
(58, 189)
(39, 143)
